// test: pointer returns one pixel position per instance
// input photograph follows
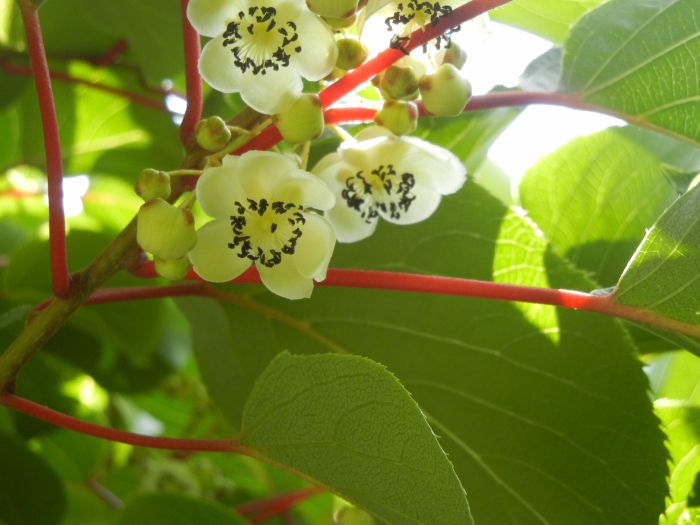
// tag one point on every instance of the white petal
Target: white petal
(217, 67)
(217, 190)
(285, 280)
(326, 162)
(272, 92)
(305, 189)
(314, 248)
(372, 132)
(424, 205)
(260, 172)
(445, 171)
(368, 155)
(210, 17)
(318, 48)
(212, 259)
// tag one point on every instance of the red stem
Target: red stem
(84, 427)
(112, 55)
(263, 510)
(192, 44)
(63, 77)
(52, 147)
(270, 136)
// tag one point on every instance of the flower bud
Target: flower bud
(351, 53)
(340, 23)
(399, 83)
(333, 8)
(165, 230)
(212, 133)
(353, 516)
(153, 184)
(302, 121)
(398, 116)
(173, 269)
(445, 93)
(455, 55)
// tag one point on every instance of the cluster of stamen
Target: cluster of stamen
(406, 15)
(285, 222)
(382, 190)
(241, 35)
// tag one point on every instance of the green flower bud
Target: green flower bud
(340, 23)
(351, 53)
(399, 83)
(445, 93)
(398, 116)
(165, 230)
(173, 269)
(212, 133)
(333, 8)
(353, 516)
(153, 184)
(455, 55)
(302, 121)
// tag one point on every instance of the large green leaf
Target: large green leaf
(172, 509)
(664, 275)
(639, 58)
(512, 391)
(594, 199)
(30, 492)
(347, 423)
(548, 18)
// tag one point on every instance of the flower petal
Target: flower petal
(326, 162)
(217, 67)
(261, 172)
(319, 51)
(314, 248)
(211, 257)
(286, 281)
(303, 188)
(445, 171)
(217, 190)
(210, 17)
(272, 92)
(424, 205)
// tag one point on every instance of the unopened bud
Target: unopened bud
(455, 55)
(173, 269)
(399, 83)
(398, 116)
(351, 53)
(340, 23)
(212, 133)
(333, 8)
(153, 184)
(165, 230)
(446, 92)
(353, 516)
(302, 121)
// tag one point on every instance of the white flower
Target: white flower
(260, 203)
(262, 48)
(400, 179)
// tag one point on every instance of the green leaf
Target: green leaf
(548, 18)
(30, 492)
(511, 390)
(543, 73)
(594, 199)
(172, 509)
(347, 423)
(638, 58)
(663, 277)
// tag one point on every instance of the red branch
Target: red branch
(112, 55)
(85, 427)
(270, 136)
(52, 147)
(192, 78)
(68, 79)
(265, 509)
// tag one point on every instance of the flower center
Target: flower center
(264, 231)
(382, 190)
(260, 41)
(414, 14)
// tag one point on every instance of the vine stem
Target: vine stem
(265, 509)
(329, 96)
(52, 147)
(112, 55)
(53, 417)
(193, 80)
